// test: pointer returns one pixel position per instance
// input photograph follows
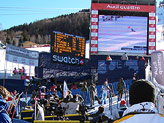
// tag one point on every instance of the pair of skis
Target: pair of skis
(13, 104)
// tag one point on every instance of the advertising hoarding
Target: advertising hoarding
(114, 25)
(22, 56)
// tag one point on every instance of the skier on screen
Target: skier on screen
(131, 29)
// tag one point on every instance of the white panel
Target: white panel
(94, 27)
(95, 12)
(152, 36)
(93, 41)
(94, 34)
(94, 19)
(152, 14)
(151, 29)
(151, 21)
(151, 43)
(93, 49)
(150, 51)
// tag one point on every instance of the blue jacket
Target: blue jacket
(4, 117)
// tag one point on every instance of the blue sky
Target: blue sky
(16, 12)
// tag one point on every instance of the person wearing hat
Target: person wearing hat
(117, 113)
(92, 93)
(100, 116)
(4, 116)
(69, 96)
(121, 87)
(142, 101)
(104, 90)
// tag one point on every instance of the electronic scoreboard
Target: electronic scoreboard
(67, 48)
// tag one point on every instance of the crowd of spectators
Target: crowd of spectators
(20, 71)
(141, 99)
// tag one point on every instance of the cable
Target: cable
(38, 8)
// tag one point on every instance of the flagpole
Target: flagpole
(5, 67)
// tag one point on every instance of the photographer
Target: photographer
(100, 116)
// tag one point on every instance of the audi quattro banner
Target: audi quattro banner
(157, 63)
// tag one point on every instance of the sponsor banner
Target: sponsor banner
(151, 40)
(121, 7)
(151, 33)
(93, 52)
(152, 25)
(21, 55)
(94, 16)
(157, 64)
(94, 23)
(152, 18)
(94, 30)
(21, 60)
(151, 47)
(93, 45)
(94, 38)
(67, 60)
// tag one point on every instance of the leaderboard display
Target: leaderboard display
(67, 48)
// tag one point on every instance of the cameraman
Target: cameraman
(100, 116)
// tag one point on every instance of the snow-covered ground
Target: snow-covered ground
(109, 110)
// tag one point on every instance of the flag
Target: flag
(40, 114)
(157, 61)
(148, 72)
(65, 89)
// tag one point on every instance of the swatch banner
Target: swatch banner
(157, 63)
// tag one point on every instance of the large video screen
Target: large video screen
(122, 33)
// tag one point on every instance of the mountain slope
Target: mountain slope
(40, 31)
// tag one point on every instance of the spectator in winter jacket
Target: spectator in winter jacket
(142, 101)
(4, 116)
(104, 90)
(120, 88)
(84, 92)
(74, 86)
(117, 113)
(92, 93)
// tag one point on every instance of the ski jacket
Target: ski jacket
(143, 112)
(4, 117)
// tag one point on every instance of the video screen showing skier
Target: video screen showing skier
(118, 33)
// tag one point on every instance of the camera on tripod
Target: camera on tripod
(55, 109)
(82, 108)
